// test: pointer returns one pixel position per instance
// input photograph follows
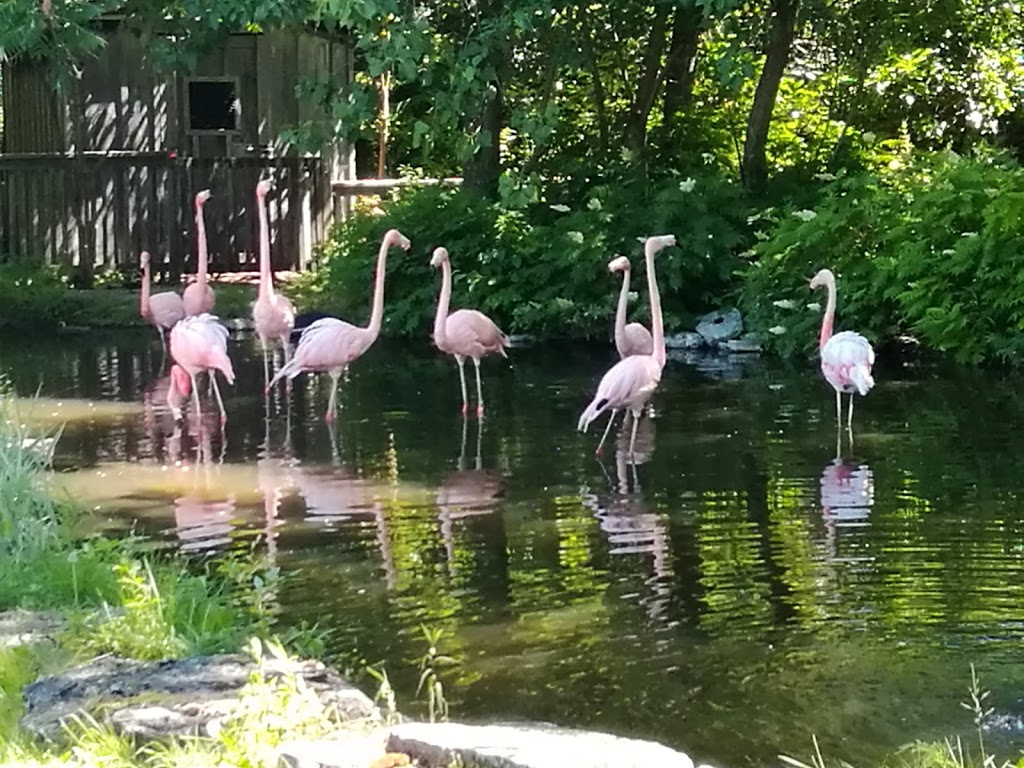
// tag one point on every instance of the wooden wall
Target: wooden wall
(97, 211)
(131, 166)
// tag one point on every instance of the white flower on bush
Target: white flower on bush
(559, 208)
(869, 137)
(948, 252)
(814, 306)
(969, 234)
(594, 204)
(823, 176)
(576, 237)
(761, 234)
(805, 215)
(687, 184)
(777, 330)
(784, 304)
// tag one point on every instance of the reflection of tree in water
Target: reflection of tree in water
(626, 519)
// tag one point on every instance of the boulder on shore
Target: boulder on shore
(150, 700)
(720, 326)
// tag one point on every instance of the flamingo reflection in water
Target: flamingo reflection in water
(628, 522)
(336, 494)
(466, 493)
(847, 495)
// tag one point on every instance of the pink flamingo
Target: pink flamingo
(331, 344)
(162, 310)
(198, 296)
(464, 333)
(631, 381)
(630, 338)
(846, 358)
(272, 313)
(198, 344)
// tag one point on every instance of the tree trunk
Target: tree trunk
(681, 66)
(484, 168)
(384, 126)
(754, 166)
(650, 79)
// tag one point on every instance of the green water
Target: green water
(739, 590)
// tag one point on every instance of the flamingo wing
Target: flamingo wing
(638, 341)
(626, 384)
(325, 345)
(846, 361)
(474, 334)
(200, 342)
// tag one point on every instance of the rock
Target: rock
(28, 627)
(746, 343)
(527, 745)
(181, 698)
(344, 749)
(521, 340)
(687, 340)
(720, 326)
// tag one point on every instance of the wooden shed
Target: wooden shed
(95, 172)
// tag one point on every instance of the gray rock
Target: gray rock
(521, 340)
(720, 326)
(28, 627)
(528, 745)
(687, 340)
(745, 344)
(182, 698)
(345, 749)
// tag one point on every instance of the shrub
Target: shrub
(935, 249)
(540, 268)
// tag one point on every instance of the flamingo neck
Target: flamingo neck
(266, 290)
(201, 268)
(377, 313)
(443, 301)
(144, 295)
(620, 312)
(657, 324)
(830, 313)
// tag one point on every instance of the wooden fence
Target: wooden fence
(97, 210)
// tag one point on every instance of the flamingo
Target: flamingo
(631, 338)
(273, 314)
(331, 345)
(162, 310)
(846, 358)
(198, 296)
(198, 343)
(631, 381)
(464, 333)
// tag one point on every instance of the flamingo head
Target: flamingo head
(202, 197)
(824, 277)
(656, 243)
(144, 259)
(440, 256)
(618, 264)
(396, 238)
(263, 188)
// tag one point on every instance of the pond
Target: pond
(740, 589)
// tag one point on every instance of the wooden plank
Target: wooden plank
(240, 62)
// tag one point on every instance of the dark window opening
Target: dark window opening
(212, 105)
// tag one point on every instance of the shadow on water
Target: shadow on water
(739, 587)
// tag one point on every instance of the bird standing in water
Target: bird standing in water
(330, 345)
(198, 296)
(631, 381)
(272, 314)
(161, 310)
(846, 357)
(630, 338)
(464, 333)
(198, 344)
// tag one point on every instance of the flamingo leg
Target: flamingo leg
(163, 344)
(195, 396)
(462, 380)
(849, 419)
(333, 402)
(220, 401)
(266, 364)
(632, 437)
(839, 410)
(287, 359)
(607, 429)
(479, 389)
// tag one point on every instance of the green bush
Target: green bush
(540, 268)
(934, 249)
